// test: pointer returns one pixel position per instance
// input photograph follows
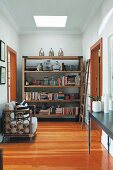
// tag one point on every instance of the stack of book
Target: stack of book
(70, 111)
(43, 96)
(44, 112)
(59, 111)
(60, 96)
(71, 80)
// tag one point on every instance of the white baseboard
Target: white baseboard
(104, 141)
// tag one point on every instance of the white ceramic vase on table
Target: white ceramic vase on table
(96, 106)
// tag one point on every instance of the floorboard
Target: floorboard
(57, 146)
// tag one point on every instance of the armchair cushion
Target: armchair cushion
(34, 124)
(10, 106)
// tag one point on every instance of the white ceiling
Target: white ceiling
(79, 13)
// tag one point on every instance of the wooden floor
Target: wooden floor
(58, 146)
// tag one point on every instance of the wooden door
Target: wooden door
(96, 71)
(12, 75)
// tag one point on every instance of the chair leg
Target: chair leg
(82, 123)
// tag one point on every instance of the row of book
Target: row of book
(70, 80)
(60, 111)
(50, 96)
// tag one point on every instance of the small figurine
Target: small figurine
(47, 65)
(51, 52)
(56, 66)
(27, 83)
(52, 81)
(59, 82)
(41, 52)
(40, 67)
(60, 53)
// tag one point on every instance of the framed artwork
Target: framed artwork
(2, 50)
(2, 75)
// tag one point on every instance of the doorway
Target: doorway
(11, 74)
(96, 71)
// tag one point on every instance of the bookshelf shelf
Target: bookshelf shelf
(52, 101)
(39, 86)
(53, 57)
(27, 71)
(63, 97)
(54, 116)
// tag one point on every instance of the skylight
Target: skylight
(50, 21)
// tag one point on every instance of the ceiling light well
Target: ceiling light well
(50, 21)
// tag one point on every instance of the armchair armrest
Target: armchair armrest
(33, 108)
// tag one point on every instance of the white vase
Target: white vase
(106, 103)
(110, 105)
(102, 103)
(96, 106)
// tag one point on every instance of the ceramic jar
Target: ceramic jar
(96, 106)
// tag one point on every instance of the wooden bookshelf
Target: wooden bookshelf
(28, 73)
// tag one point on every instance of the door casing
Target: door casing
(11, 74)
(96, 72)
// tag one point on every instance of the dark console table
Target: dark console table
(104, 120)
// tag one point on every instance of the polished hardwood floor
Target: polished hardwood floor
(57, 146)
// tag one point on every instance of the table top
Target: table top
(104, 120)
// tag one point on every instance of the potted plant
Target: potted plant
(96, 103)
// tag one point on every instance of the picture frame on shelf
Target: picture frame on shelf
(2, 51)
(2, 75)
